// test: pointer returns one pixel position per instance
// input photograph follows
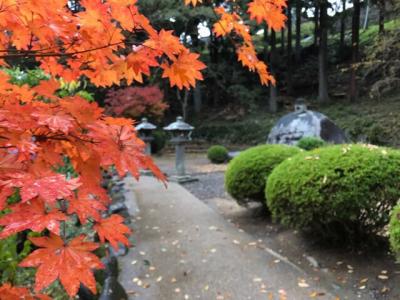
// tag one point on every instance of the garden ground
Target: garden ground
(170, 266)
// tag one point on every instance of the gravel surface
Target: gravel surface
(209, 185)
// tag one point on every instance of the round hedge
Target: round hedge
(217, 154)
(246, 174)
(310, 143)
(337, 191)
(394, 229)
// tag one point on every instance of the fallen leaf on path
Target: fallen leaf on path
(384, 290)
(303, 284)
(317, 294)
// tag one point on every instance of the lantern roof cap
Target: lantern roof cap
(145, 125)
(179, 125)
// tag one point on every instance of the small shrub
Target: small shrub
(342, 191)
(394, 229)
(159, 141)
(310, 143)
(246, 174)
(217, 154)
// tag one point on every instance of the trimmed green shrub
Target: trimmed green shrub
(394, 229)
(310, 143)
(246, 174)
(341, 191)
(158, 144)
(217, 154)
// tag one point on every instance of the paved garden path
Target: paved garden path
(185, 250)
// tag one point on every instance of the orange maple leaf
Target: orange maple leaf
(71, 262)
(184, 71)
(113, 230)
(270, 11)
(47, 88)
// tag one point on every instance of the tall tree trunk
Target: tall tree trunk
(273, 94)
(197, 99)
(366, 17)
(323, 96)
(382, 9)
(298, 30)
(266, 43)
(214, 59)
(184, 102)
(355, 41)
(342, 24)
(289, 67)
(316, 25)
(283, 40)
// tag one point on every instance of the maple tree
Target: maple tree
(107, 42)
(135, 102)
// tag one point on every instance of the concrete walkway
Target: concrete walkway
(185, 250)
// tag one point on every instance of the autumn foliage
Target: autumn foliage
(107, 42)
(134, 102)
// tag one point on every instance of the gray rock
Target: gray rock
(113, 290)
(117, 207)
(122, 250)
(111, 266)
(85, 294)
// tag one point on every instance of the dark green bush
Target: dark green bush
(217, 154)
(310, 143)
(342, 191)
(394, 229)
(158, 144)
(246, 174)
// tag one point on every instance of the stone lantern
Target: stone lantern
(180, 135)
(145, 130)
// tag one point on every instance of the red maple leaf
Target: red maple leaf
(9, 292)
(85, 208)
(70, 262)
(49, 188)
(31, 215)
(113, 230)
(55, 122)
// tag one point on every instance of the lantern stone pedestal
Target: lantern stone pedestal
(145, 130)
(181, 132)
